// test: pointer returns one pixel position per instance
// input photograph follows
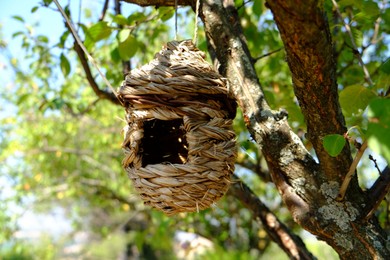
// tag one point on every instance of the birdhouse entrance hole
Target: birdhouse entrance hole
(164, 141)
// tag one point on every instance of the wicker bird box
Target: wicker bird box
(179, 145)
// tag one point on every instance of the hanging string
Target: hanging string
(196, 22)
(80, 43)
(175, 20)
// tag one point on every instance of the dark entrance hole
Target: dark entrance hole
(164, 142)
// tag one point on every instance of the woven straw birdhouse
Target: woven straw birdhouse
(179, 145)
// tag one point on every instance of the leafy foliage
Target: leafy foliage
(61, 144)
(378, 127)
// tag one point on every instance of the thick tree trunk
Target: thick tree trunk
(308, 188)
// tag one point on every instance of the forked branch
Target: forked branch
(377, 193)
(82, 49)
(291, 244)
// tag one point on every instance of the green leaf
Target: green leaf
(358, 37)
(114, 54)
(63, 38)
(88, 41)
(334, 144)
(99, 31)
(371, 8)
(19, 18)
(165, 13)
(123, 35)
(43, 38)
(136, 17)
(345, 3)
(17, 33)
(47, 2)
(65, 65)
(128, 48)
(355, 97)
(34, 9)
(258, 7)
(378, 130)
(120, 19)
(385, 67)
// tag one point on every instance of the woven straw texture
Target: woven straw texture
(179, 145)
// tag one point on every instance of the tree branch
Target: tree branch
(306, 187)
(105, 6)
(82, 52)
(287, 158)
(310, 56)
(266, 55)
(106, 192)
(100, 93)
(355, 48)
(377, 193)
(158, 3)
(256, 169)
(280, 234)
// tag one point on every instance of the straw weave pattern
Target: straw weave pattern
(179, 144)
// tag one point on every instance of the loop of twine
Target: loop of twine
(196, 22)
(195, 39)
(175, 20)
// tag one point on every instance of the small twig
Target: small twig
(355, 48)
(100, 93)
(80, 43)
(243, 4)
(254, 60)
(377, 193)
(79, 18)
(256, 169)
(374, 161)
(351, 171)
(82, 112)
(105, 7)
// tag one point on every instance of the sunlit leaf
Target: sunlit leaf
(128, 48)
(136, 16)
(355, 97)
(123, 35)
(165, 13)
(99, 31)
(120, 19)
(334, 144)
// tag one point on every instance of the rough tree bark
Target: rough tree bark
(309, 189)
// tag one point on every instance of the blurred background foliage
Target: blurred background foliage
(60, 144)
